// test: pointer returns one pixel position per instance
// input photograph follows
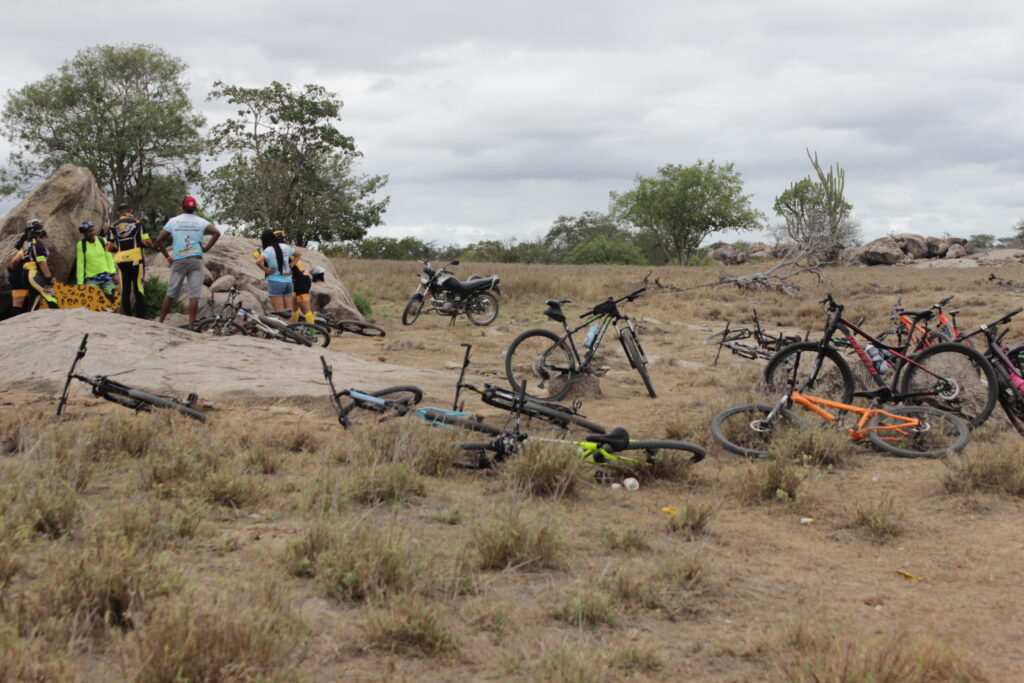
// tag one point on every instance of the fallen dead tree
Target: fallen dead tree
(778, 278)
(1012, 285)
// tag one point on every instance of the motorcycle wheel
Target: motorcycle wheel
(412, 309)
(482, 309)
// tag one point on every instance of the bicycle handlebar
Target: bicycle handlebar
(1004, 319)
(632, 296)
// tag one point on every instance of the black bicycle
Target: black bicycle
(948, 376)
(375, 406)
(359, 327)
(124, 395)
(554, 362)
(765, 345)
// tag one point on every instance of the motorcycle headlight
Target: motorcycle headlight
(424, 279)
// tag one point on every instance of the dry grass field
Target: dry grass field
(272, 545)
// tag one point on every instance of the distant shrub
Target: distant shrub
(363, 305)
(155, 291)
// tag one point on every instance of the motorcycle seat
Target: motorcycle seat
(477, 284)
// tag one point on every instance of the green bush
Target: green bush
(156, 290)
(606, 250)
(363, 304)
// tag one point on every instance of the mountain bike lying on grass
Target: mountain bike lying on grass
(365, 407)
(922, 336)
(554, 362)
(124, 395)
(905, 431)
(359, 327)
(606, 450)
(948, 376)
(765, 346)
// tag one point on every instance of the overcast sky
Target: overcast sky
(492, 119)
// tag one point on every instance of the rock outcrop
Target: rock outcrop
(956, 251)
(231, 262)
(884, 251)
(61, 202)
(727, 254)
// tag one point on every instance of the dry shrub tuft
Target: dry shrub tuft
(586, 608)
(17, 427)
(545, 470)
(822, 654)
(573, 665)
(232, 490)
(820, 445)
(631, 539)
(366, 564)
(882, 519)
(775, 479)
(261, 460)
(633, 660)
(31, 659)
(302, 556)
(157, 525)
(513, 541)
(107, 583)
(997, 467)
(227, 637)
(411, 627)
(426, 451)
(691, 521)
(375, 484)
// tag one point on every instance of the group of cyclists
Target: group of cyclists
(116, 259)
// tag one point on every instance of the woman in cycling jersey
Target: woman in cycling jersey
(37, 270)
(16, 275)
(276, 261)
(301, 282)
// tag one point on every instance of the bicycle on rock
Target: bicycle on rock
(555, 361)
(948, 376)
(234, 319)
(124, 395)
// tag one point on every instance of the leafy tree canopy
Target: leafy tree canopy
(682, 205)
(122, 111)
(606, 250)
(816, 214)
(289, 167)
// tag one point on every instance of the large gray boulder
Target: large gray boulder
(937, 247)
(61, 202)
(956, 251)
(231, 262)
(727, 254)
(915, 245)
(882, 252)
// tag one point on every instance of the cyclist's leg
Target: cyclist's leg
(139, 290)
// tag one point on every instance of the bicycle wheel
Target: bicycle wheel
(668, 450)
(482, 309)
(1013, 406)
(464, 421)
(743, 430)
(960, 379)
(832, 379)
(636, 359)
(218, 328)
(938, 433)
(412, 309)
(542, 360)
(361, 411)
(360, 328)
(166, 402)
(317, 334)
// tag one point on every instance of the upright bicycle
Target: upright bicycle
(555, 361)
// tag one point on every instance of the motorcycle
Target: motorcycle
(447, 295)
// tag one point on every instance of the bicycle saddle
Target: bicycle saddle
(920, 315)
(284, 313)
(554, 309)
(615, 440)
(558, 302)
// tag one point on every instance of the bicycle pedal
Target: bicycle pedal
(191, 399)
(600, 371)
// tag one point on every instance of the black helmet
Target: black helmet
(84, 227)
(35, 227)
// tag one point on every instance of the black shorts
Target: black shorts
(302, 284)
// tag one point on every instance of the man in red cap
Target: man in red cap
(186, 233)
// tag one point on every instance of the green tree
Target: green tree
(288, 166)
(816, 214)
(982, 241)
(682, 205)
(569, 232)
(392, 248)
(1018, 231)
(606, 250)
(122, 111)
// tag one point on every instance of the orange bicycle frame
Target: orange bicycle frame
(814, 404)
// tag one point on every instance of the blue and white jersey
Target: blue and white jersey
(271, 261)
(187, 231)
